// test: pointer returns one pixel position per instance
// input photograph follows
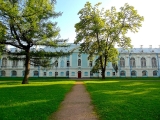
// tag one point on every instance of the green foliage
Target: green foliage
(35, 101)
(125, 100)
(115, 67)
(28, 24)
(100, 30)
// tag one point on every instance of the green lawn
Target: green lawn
(34, 101)
(126, 99)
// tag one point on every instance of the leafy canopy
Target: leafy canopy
(100, 30)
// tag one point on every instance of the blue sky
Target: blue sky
(147, 35)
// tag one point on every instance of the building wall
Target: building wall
(84, 69)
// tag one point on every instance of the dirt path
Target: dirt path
(76, 106)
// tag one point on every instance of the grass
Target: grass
(34, 101)
(126, 99)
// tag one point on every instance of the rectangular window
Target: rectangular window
(67, 73)
(91, 73)
(108, 73)
(85, 73)
(73, 73)
(62, 73)
(56, 73)
(113, 73)
(44, 74)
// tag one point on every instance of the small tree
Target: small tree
(99, 31)
(26, 24)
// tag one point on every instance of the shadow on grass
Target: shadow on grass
(126, 100)
(35, 101)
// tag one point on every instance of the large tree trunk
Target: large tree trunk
(103, 73)
(27, 69)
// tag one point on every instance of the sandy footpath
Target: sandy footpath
(76, 105)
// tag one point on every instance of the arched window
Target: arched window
(4, 62)
(122, 73)
(56, 63)
(68, 63)
(67, 73)
(62, 63)
(14, 73)
(122, 62)
(90, 63)
(15, 63)
(79, 62)
(35, 73)
(154, 73)
(132, 62)
(91, 73)
(3, 73)
(154, 62)
(133, 73)
(144, 73)
(143, 62)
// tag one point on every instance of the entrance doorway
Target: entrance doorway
(79, 74)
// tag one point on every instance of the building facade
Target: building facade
(135, 62)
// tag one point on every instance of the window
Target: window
(108, 73)
(144, 73)
(62, 73)
(73, 73)
(154, 62)
(67, 73)
(56, 73)
(44, 74)
(56, 63)
(91, 73)
(3, 73)
(122, 73)
(68, 63)
(14, 73)
(113, 73)
(133, 73)
(23, 63)
(132, 62)
(62, 63)
(50, 73)
(79, 62)
(35, 73)
(143, 62)
(23, 72)
(36, 62)
(155, 73)
(90, 63)
(4, 62)
(122, 62)
(85, 73)
(79, 55)
(15, 63)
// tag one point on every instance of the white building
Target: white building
(136, 62)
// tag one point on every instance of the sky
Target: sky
(147, 35)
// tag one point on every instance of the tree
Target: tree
(29, 23)
(100, 30)
(2, 33)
